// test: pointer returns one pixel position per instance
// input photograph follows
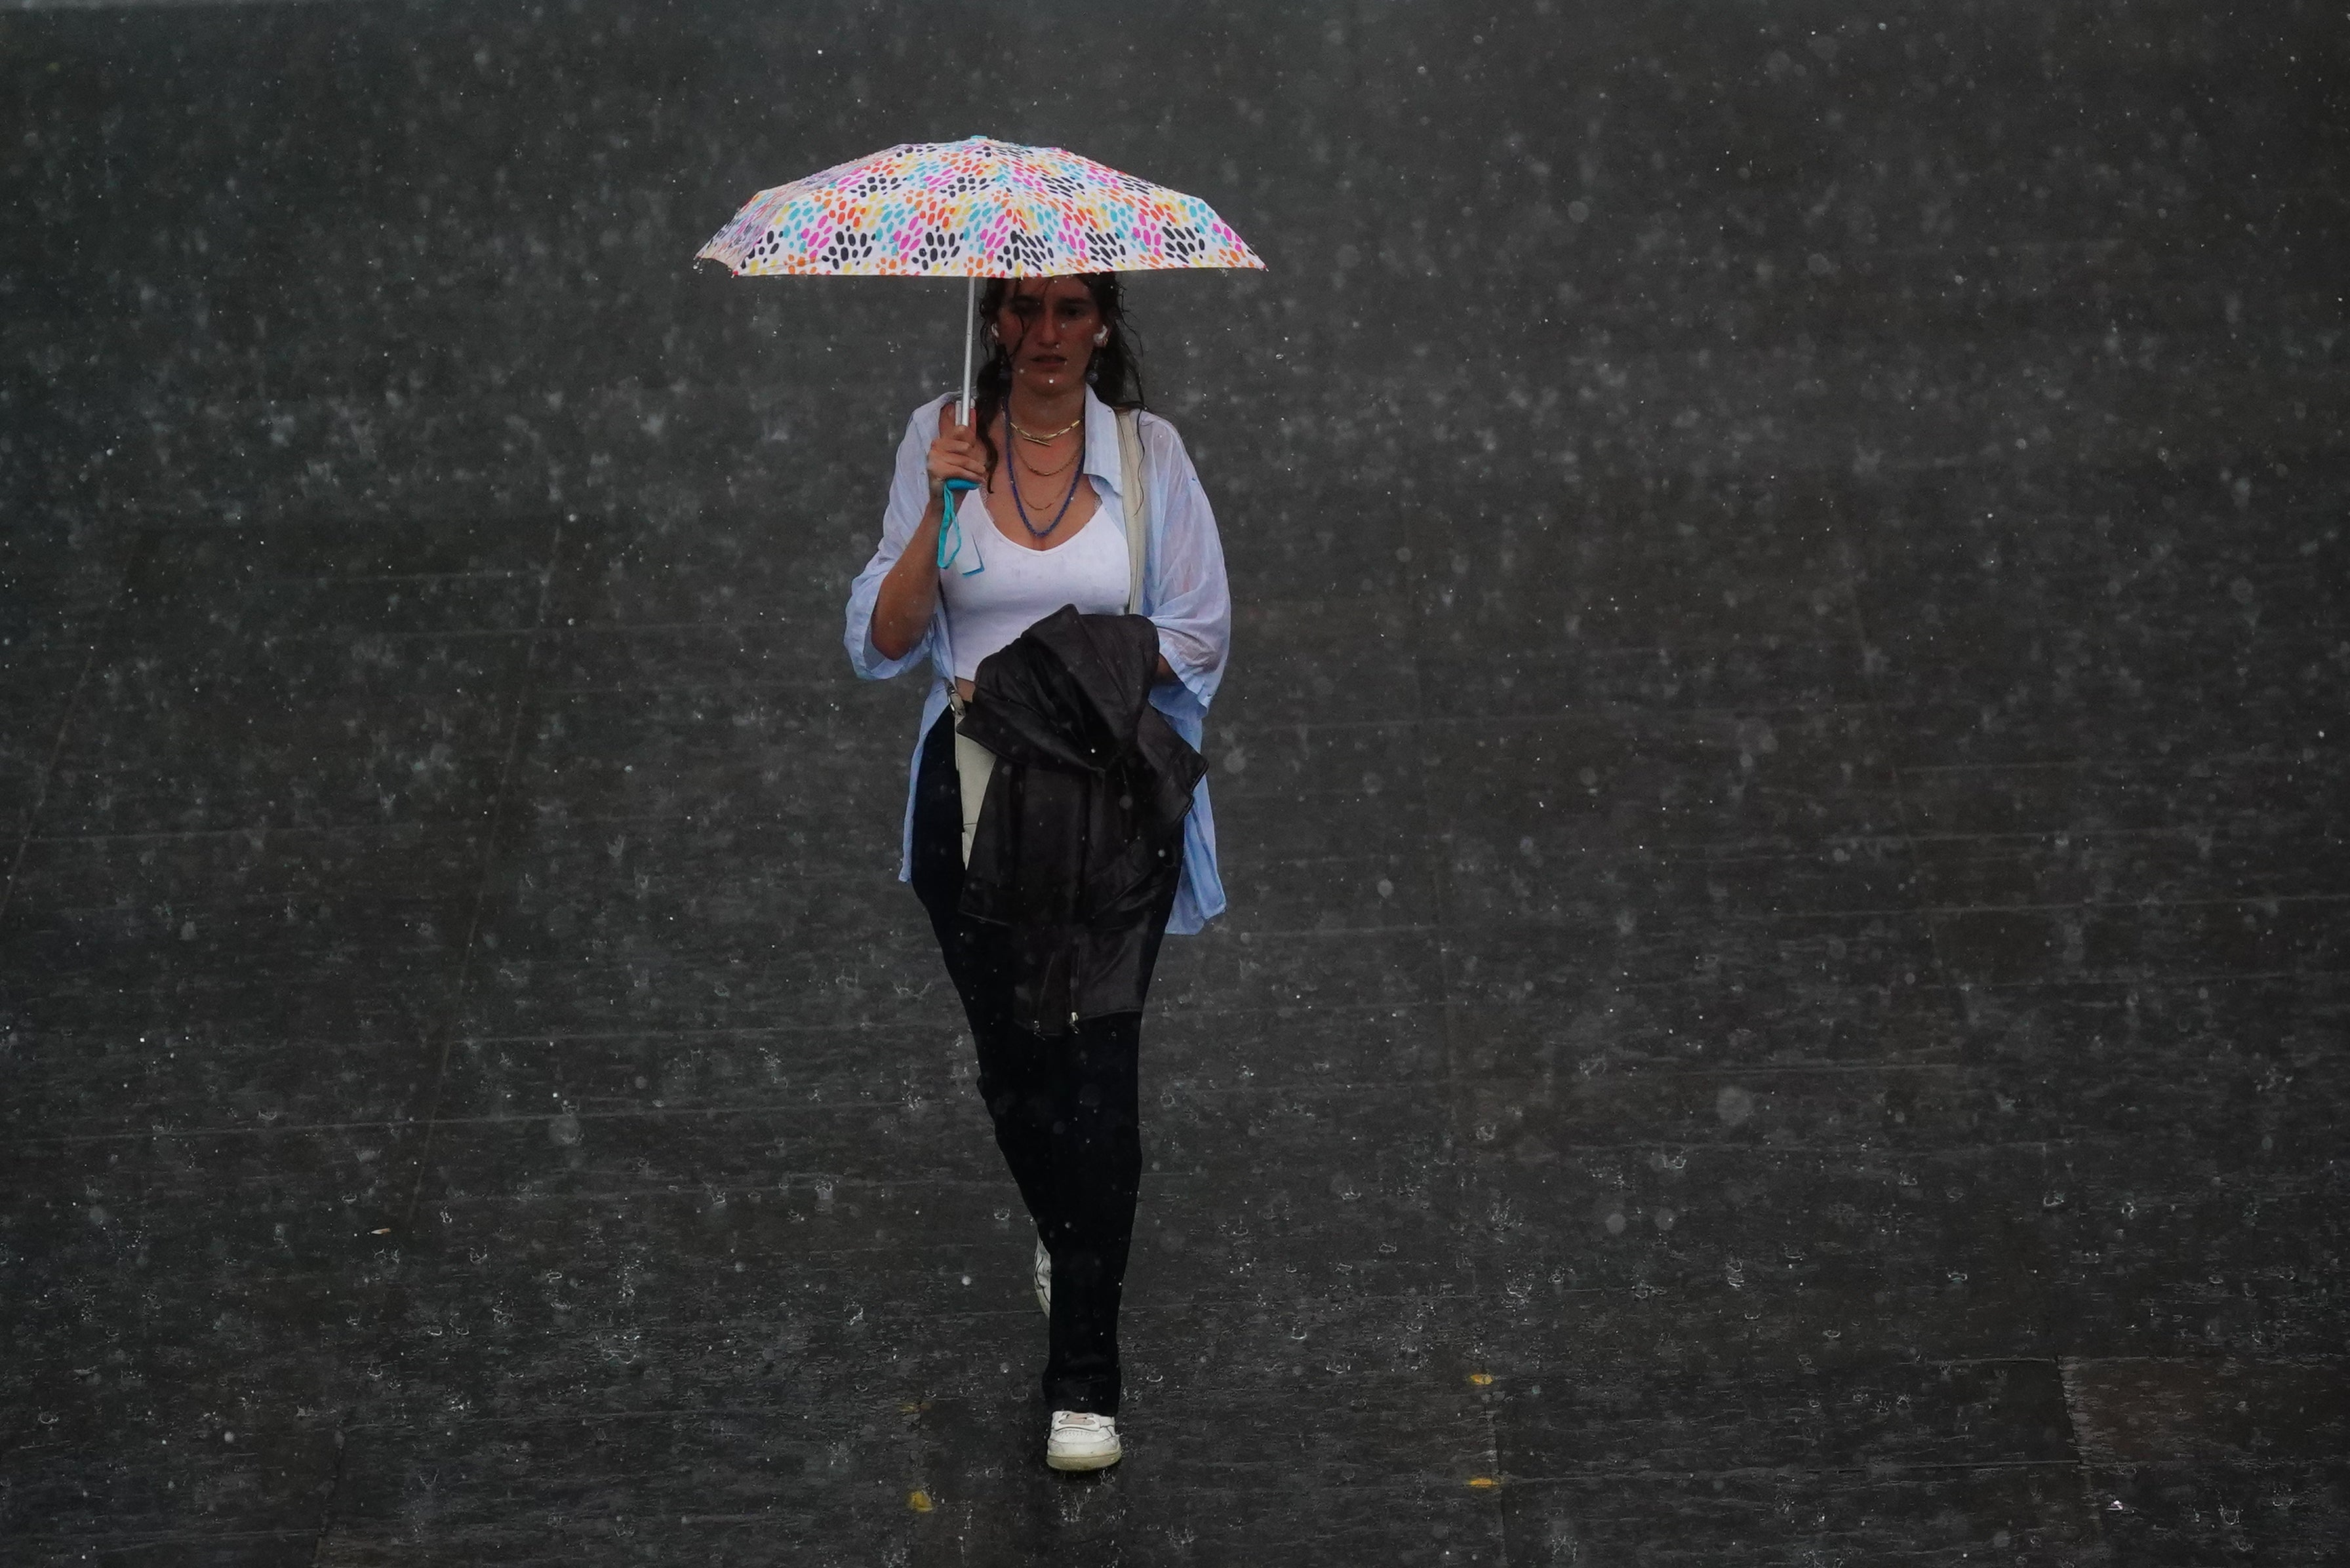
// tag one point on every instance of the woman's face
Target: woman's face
(1047, 326)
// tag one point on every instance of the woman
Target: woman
(1048, 524)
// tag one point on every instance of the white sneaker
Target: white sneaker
(1043, 1277)
(1081, 1440)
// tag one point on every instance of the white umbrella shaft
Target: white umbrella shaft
(970, 324)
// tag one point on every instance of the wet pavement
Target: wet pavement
(1782, 784)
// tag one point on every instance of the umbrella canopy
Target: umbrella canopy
(974, 208)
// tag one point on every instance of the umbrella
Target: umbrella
(972, 209)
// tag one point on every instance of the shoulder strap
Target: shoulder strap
(1137, 502)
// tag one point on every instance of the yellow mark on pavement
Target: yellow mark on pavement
(1481, 1379)
(918, 1500)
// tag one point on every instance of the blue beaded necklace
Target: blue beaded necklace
(1075, 479)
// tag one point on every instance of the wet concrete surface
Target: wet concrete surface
(1781, 782)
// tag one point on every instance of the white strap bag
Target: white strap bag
(974, 763)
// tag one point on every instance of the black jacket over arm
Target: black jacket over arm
(1080, 837)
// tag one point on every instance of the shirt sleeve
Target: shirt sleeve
(909, 496)
(1190, 601)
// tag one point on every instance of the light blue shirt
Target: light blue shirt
(1185, 593)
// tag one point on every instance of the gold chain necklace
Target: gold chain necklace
(1026, 434)
(1048, 473)
(1021, 503)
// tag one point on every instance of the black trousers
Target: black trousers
(1065, 1110)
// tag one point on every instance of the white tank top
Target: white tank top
(1020, 587)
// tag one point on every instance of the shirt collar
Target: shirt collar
(1102, 458)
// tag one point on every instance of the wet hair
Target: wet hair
(1115, 372)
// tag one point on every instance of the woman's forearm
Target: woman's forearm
(910, 591)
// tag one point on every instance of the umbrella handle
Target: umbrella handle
(950, 527)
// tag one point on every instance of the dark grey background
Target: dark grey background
(1781, 782)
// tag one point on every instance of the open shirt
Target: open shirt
(1184, 594)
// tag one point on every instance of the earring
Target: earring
(1101, 336)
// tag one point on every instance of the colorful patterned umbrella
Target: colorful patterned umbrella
(972, 209)
(975, 208)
